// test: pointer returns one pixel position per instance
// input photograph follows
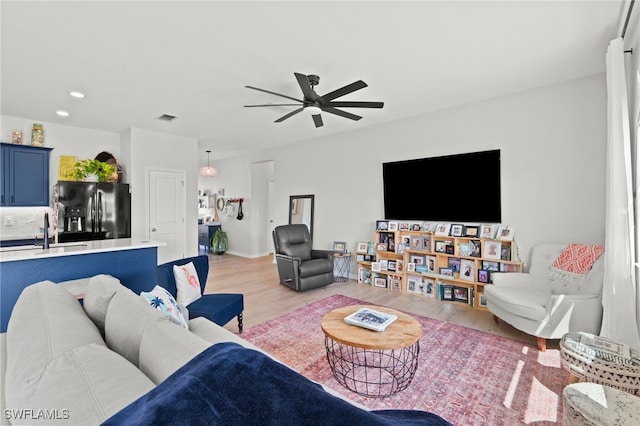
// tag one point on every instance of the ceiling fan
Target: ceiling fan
(315, 103)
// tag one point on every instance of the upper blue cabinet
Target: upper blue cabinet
(25, 175)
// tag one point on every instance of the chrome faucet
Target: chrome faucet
(45, 243)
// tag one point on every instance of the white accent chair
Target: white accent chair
(543, 306)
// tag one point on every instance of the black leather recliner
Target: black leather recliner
(299, 265)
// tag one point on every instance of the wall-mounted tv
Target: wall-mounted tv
(452, 188)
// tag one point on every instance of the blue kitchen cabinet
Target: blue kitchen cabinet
(24, 179)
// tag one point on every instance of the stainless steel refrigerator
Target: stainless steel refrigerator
(93, 211)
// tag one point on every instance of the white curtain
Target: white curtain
(619, 293)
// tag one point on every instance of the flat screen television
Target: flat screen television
(452, 188)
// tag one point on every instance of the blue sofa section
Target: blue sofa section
(219, 308)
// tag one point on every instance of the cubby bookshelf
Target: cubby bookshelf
(443, 267)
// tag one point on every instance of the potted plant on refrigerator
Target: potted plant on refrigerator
(92, 171)
(219, 242)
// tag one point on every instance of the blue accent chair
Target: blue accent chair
(219, 308)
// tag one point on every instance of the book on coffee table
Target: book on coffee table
(368, 318)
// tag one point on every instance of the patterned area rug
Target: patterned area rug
(469, 377)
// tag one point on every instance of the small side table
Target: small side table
(591, 363)
(341, 267)
(371, 363)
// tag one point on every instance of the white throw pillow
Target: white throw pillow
(162, 300)
(187, 283)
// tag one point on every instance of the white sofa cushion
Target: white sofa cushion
(127, 317)
(527, 302)
(165, 347)
(97, 296)
(46, 321)
(83, 386)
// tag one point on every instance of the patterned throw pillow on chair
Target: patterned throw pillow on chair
(187, 283)
(159, 298)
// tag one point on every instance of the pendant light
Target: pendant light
(208, 171)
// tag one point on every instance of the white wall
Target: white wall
(552, 142)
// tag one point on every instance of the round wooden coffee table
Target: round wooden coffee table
(370, 363)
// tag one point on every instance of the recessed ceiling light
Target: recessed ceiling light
(76, 94)
(62, 113)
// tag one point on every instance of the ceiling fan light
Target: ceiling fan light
(313, 110)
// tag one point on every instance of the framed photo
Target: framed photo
(442, 229)
(487, 231)
(403, 226)
(368, 258)
(416, 242)
(492, 249)
(426, 242)
(461, 294)
(429, 226)
(429, 288)
(484, 276)
(382, 225)
(441, 246)
(380, 282)
(391, 265)
(475, 249)
(505, 233)
(447, 292)
(457, 230)
(505, 252)
(467, 270)
(340, 246)
(446, 271)
(449, 249)
(417, 259)
(391, 243)
(413, 284)
(471, 231)
(359, 257)
(375, 266)
(421, 268)
(399, 265)
(464, 249)
(508, 267)
(430, 261)
(381, 247)
(394, 283)
(411, 267)
(402, 248)
(482, 300)
(392, 226)
(362, 247)
(371, 248)
(490, 265)
(384, 264)
(415, 227)
(454, 263)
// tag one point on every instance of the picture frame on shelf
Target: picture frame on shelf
(492, 249)
(362, 247)
(415, 227)
(430, 288)
(391, 243)
(447, 292)
(449, 249)
(403, 226)
(484, 276)
(482, 300)
(371, 248)
(461, 294)
(475, 248)
(392, 226)
(464, 249)
(429, 226)
(487, 231)
(508, 267)
(416, 242)
(380, 282)
(369, 258)
(399, 265)
(446, 271)
(421, 269)
(391, 265)
(413, 284)
(359, 257)
(394, 283)
(505, 233)
(381, 247)
(426, 242)
(430, 262)
(417, 259)
(471, 231)
(411, 267)
(490, 265)
(375, 267)
(454, 264)
(402, 248)
(505, 252)
(384, 264)
(340, 246)
(457, 230)
(382, 225)
(467, 270)
(440, 246)
(442, 229)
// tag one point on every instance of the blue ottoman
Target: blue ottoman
(219, 308)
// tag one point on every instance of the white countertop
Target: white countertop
(8, 254)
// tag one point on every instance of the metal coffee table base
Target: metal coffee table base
(375, 373)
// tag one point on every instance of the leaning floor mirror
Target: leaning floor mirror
(301, 211)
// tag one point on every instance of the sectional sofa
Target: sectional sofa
(111, 358)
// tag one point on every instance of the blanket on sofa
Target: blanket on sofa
(229, 384)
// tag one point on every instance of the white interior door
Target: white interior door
(167, 211)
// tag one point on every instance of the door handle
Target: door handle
(153, 229)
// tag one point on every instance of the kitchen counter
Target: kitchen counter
(8, 254)
(132, 261)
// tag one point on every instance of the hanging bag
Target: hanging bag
(240, 214)
(228, 210)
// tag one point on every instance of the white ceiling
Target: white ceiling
(137, 60)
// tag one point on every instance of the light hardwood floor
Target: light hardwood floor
(265, 298)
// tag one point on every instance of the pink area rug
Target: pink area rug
(469, 377)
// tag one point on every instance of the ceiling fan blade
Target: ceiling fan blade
(347, 104)
(284, 117)
(317, 120)
(341, 113)
(305, 86)
(344, 90)
(270, 105)
(274, 93)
